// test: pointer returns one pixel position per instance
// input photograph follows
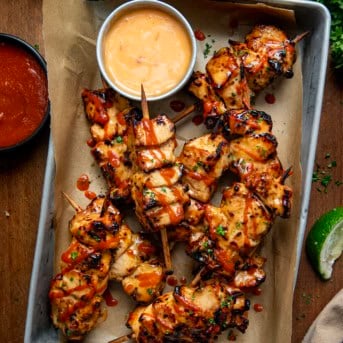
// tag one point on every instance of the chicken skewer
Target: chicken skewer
(189, 314)
(99, 237)
(236, 73)
(109, 115)
(159, 197)
(217, 235)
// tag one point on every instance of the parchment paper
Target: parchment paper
(70, 29)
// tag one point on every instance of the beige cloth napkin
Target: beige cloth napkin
(328, 326)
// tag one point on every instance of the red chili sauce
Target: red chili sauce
(270, 98)
(23, 94)
(83, 182)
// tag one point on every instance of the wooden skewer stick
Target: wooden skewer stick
(72, 202)
(298, 38)
(197, 278)
(122, 339)
(164, 237)
(188, 110)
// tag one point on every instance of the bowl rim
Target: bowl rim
(6, 37)
(141, 4)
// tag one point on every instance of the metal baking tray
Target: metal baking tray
(310, 16)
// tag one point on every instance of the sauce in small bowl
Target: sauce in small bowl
(24, 105)
(149, 43)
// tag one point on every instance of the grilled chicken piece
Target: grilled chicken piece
(266, 54)
(146, 282)
(97, 225)
(114, 162)
(99, 238)
(158, 195)
(156, 157)
(253, 158)
(139, 269)
(231, 232)
(235, 73)
(227, 78)
(159, 178)
(190, 314)
(152, 132)
(107, 111)
(213, 106)
(75, 293)
(204, 160)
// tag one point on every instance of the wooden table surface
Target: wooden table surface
(21, 179)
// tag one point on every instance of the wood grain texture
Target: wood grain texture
(312, 294)
(21, 178)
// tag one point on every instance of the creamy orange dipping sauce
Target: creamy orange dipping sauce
(146, 46)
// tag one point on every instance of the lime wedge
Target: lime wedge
(324, 243)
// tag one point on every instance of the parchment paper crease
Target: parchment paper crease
(70, 29)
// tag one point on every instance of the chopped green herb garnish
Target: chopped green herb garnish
(207, 49)
(315, 177)
(119, 139)
(332, 164)
(261, 150)
(220, 231)
(211, 321)
(150, 291)
(338, 183)
(74, 255)
(164, 189)
(326, 180)
(205, 245)
(36, 46)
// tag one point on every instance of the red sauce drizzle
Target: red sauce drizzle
(183, 280)
(99, 105)
(113, 159)
(258, 307)
(231, 336)
(110, 301)
(121, 118)
(146, 248)
(148, 126)
(177, 105)
(90, 195)
(83, 182)
(172, 281)
(91, 142)
(269, 98)
(199, 35)
(198, 119)
(257, 291)
(23, 94)
(167, 174)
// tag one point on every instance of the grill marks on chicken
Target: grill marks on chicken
(99, 238)
(253, 157)
(266, 54)
(204, 159)
(225, 242)
(107, 111)
(156, 189)
(190, 314)
(235, 73)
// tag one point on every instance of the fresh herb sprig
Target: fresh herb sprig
(336, 35)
